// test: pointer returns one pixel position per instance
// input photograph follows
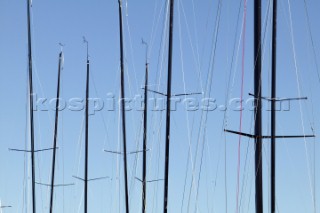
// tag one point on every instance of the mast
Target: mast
(86, 136)
(123, 110)
(273, 107)
(145, 121)
(167, 151)
(31, 109)
(55, 135)
(257, 111)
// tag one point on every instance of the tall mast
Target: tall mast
(86, 136)
(257, 111)
(31, 110)
(273, 107)
(55, 135)
(167, 151)
(145, 121)
(123, 110)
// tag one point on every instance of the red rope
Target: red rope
(241, 100)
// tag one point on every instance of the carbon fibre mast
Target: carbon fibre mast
(31, 108)
(167, 136)
(145, 125)
(55, 137)
(273, 105)
(258, 107)
(86, 133)
(123, 113)
(258, 136)
(32, 150)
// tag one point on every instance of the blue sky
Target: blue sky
(194, 34)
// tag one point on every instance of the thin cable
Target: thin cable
(241, 99)
(300, 105)
(209, 88)
(184, 88)
(227, 95)
(311, 38)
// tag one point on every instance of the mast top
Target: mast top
(61, 47)
(87, 43)
(61, 55)
(147, 49)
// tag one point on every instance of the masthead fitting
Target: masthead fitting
(87, 43)
(143, 42)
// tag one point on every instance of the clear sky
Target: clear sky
(206, 179)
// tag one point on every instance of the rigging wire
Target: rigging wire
(189, 132)
(227, 95)
(157, 130)
(241, 99)
(208, 93)
(195, 49)
(62, 142)
(311, 38)
(155, 24)
(132, 53)
(118, 159)
(263, 42)
(25, 163)
(300, 105)
(195, 30)
(43, 94)
(317, 70)
(137, 129)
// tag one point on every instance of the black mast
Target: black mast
(258, 114)
(55, 135)
(31, 110)
(86, 137)
(273, 107)
(123, 110)
(145, 121)
(257, 111)
(167, 152)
